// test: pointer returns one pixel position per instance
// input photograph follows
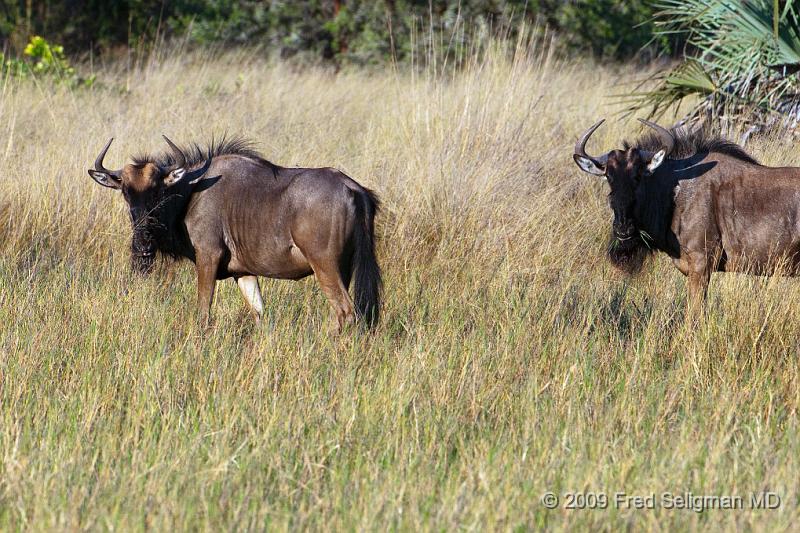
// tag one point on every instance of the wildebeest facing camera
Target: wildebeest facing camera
(687, 194)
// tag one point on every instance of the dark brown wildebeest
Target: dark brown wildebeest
(703, 201)
(236, 215)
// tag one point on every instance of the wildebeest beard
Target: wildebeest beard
(143, 249)
(157, 232)
(628, 255)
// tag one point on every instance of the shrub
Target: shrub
(43, 59)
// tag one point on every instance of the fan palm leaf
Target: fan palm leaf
(744, 57)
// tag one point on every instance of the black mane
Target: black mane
(689, 143)
(197, 156)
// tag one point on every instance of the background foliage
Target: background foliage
(361, 31)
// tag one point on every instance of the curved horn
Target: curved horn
(181, 159)
(98, 163)
(667, 140)
(179, 172)
(198, 173)
(580, 146)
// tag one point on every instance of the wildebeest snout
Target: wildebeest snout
(623, 229)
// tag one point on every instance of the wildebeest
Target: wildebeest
(703, 201)
(237, 215)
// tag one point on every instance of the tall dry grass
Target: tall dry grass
(511, 359)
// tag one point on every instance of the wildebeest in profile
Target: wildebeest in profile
(703, 201)
(237, 215)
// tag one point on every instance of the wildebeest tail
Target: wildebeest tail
(367, 272)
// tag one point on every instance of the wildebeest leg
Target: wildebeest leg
(698, 288)
(329, 278)
(252, 293)
(206, 266)
(346, 269)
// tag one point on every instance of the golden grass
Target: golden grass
(511, 359)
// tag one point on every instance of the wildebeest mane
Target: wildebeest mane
(689, 143)
(195, 155)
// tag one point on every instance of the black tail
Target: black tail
(368, 273)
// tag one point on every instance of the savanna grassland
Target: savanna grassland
(511, 359)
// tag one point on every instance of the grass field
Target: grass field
(511, 359)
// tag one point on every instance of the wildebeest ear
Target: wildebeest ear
(105, 179)
(656, 161)
(587, 165)
(174, 177)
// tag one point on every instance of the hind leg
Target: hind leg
(329, 278)
(346, 270)
(252, 294)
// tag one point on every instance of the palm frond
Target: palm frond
(745, 55)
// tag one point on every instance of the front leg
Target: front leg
(699, 277)
(207, 265)
(698, 288)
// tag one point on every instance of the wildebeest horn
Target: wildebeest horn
(198, 173)
(580, 146)
(180, 162)
(667, 140)
(98, 163)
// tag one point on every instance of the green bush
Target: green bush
(43, 59)
(610, 28)
(344, 31)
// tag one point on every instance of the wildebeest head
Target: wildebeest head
(624, 170)
(146, 188)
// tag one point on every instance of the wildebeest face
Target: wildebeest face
(623, 170)
(145, 188)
